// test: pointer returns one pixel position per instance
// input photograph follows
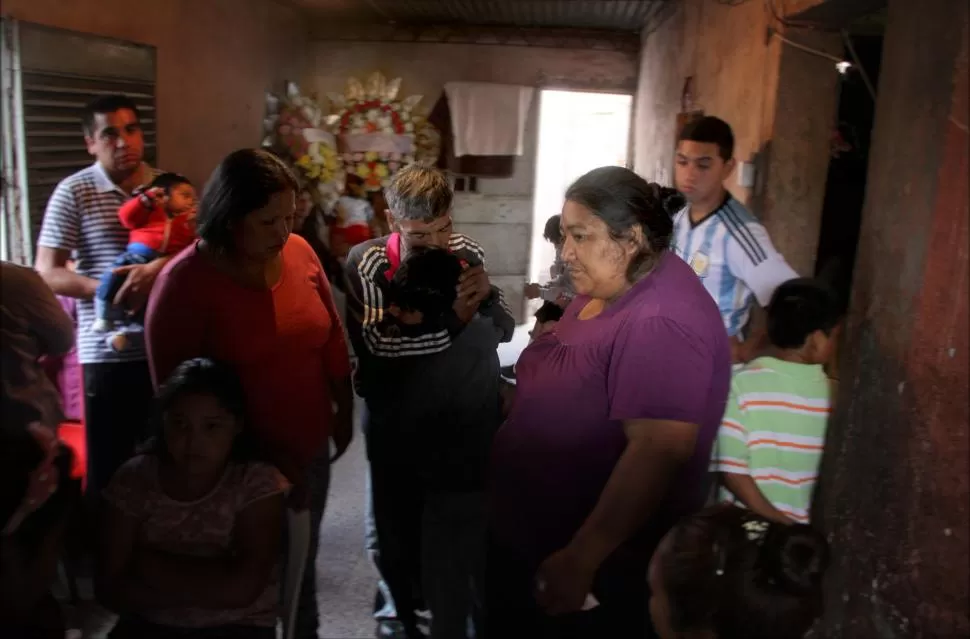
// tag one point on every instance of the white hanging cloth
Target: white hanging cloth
(488, 119)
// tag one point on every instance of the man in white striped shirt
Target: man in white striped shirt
(81, 223)
(722, 241)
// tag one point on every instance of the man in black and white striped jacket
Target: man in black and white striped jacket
(420, 200)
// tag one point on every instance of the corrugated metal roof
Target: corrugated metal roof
(612, 15)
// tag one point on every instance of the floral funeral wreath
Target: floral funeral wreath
(377, 133)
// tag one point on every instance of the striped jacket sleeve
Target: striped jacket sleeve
(366, 305)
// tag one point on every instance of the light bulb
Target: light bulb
(843, 67)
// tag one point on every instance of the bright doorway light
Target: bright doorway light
(578, 132)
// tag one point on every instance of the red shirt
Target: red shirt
(148, 226)
(286, 343)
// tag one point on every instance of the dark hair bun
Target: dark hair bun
(671, 199)
(623, 200)
(794, 558)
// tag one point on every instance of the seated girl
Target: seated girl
(727, 573)
(191, 530)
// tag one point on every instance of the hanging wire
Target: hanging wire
(807, 49)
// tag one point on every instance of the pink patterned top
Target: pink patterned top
(201, 528)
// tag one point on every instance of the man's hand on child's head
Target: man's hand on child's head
(473, 285)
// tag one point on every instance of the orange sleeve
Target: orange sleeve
(134, 214)
(174, 322)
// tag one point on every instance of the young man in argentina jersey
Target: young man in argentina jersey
(721, 240)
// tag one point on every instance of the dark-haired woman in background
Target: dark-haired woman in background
(308, 223)
(610, 434)
(726, 573)
(251, 294)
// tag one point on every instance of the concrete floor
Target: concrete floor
(347, 579)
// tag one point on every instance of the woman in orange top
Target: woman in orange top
(252, 295)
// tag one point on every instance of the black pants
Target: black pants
(398, 502)
(117, 404)
(511, 611)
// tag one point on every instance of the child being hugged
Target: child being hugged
(191, 529)
(162, 222)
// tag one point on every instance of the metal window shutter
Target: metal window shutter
(62, 71)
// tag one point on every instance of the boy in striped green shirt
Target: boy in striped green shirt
(771, 438)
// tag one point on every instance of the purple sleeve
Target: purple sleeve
(659, 370)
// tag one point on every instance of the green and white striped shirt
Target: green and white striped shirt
(774, 431)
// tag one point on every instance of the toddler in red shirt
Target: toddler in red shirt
(161, 217)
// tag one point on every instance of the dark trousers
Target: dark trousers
(117, 405)
(453, 563)
(432, 548)
(512, 612)
(398, 502)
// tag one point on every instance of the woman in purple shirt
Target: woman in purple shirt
(610, 434)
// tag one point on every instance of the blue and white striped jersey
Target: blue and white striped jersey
(82, 217)
(732, 254)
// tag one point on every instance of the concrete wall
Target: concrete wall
(780, 101)
(500, 215)
(215, 59)
(895, 484)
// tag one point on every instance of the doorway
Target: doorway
(578, 132)
(845, 186)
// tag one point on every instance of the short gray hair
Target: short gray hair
(419, 192)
